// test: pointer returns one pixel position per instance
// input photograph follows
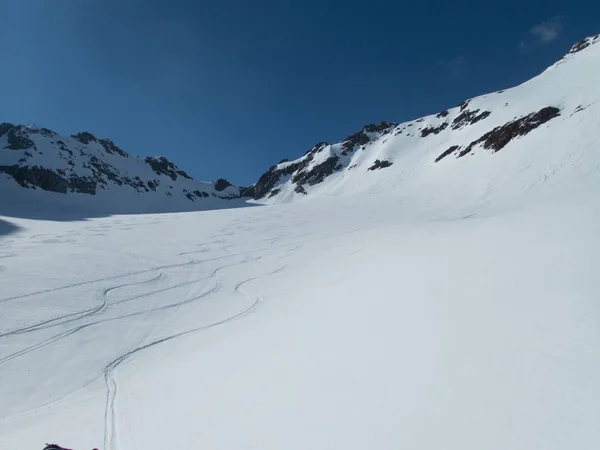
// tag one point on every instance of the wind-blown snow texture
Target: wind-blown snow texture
(448, 304)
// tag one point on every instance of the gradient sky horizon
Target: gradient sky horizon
(226, 89)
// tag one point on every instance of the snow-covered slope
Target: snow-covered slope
(424, 305)
(524, 136)
(332, 324)
(40, 170)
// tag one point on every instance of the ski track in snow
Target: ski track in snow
(110, 417)
(79, 315)
(98, 310)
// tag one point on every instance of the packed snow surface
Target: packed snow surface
(372, 322)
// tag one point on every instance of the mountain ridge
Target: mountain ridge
(86, 166)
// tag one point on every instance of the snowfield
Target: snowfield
(383, 300)
(371, 322)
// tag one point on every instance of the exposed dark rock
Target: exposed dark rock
(111, 148)
(195, 194)
(274, 192)
(352, 141)
(46, 132)
(5, 127)
(433, 130)
(380, 164)
(84, 137)
(221, 184)
(136, 183)
(153, 184)
(201, 194)
(247, 191)
(583, 44)
(361, 138)
(447, 152)
(316, 148)
(17, 139)
(300, 190)
(442, 114)
(268, 179)
(162, 166)
(469, 118)
(83, 185)
(28, 177)
(464, 104)
(318, 173)
(499, 137)
(100, 168)
(382, 127)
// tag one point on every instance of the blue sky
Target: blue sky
(228, 88)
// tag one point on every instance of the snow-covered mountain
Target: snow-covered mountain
(548, 116)
(41, 169)
(526, 133)
(439, 291)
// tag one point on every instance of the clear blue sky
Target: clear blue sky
(228, 88)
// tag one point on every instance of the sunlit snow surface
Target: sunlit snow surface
(363, 323)
(451, 305)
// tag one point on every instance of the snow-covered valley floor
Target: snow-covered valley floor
(354, 324)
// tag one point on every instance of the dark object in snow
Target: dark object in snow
(499, 137)
(221, 184)
(433, 130)
(447, 152)
(56, 447)
(380, 164)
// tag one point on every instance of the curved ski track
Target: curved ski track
(78, 315)
(110, 425)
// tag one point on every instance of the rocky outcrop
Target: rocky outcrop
(38, 158)
(583, 44)
(221, 184)
(162, 166)
(433, 130)
(111, 148)
(447, 152)
(84, 137)
(318, 173)
(380, 164)
(467, 117)
(16, 137)
(32, 177)
(499, 137)
(270, 178)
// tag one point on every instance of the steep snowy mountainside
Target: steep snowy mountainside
(38, 167)
(520, 139)
(541, 128)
